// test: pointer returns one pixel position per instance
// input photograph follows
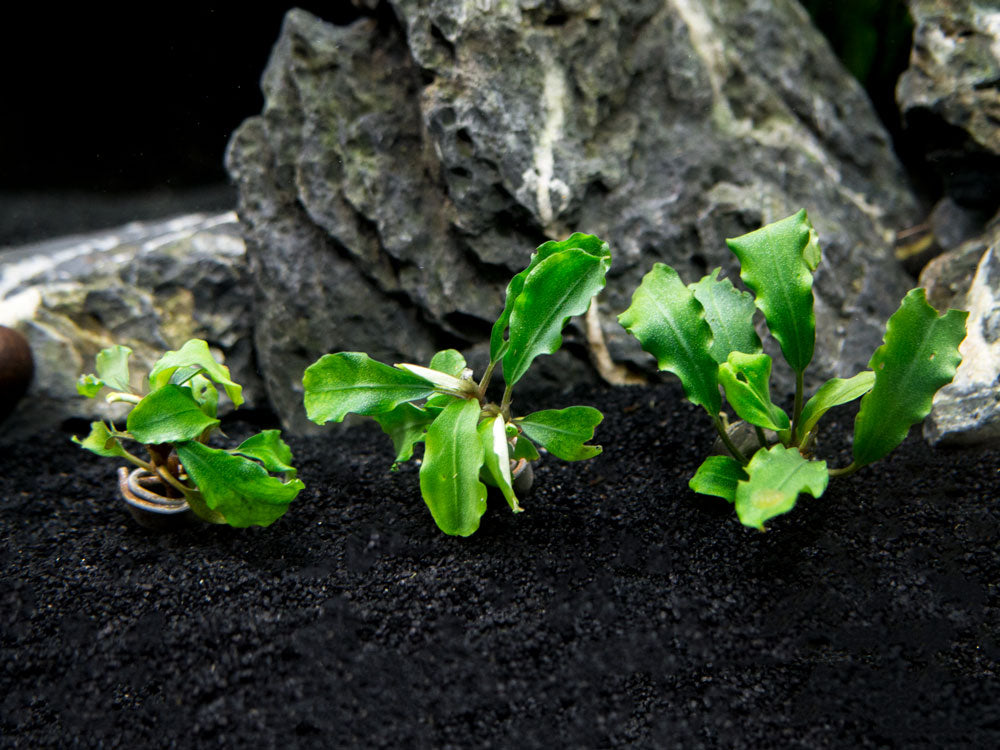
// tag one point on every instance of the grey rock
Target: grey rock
(405, 166)
(150, 286)
(950, 98)
(968, 409)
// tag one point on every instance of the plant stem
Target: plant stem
(727, 441)
(173, 481)
(136, 460)
(505, 404)
(116, 396)
(797, 413)
(484, 383)
(761, 438)
(849, 469)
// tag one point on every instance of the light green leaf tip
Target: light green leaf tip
(746, 379)
(777, 476)
(919, 356)
(101, 441)
(194, 357)
(833, 392)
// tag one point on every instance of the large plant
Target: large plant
(704, 334)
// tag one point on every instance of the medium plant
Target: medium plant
(174, 421)
(704, 334)
(469, 440)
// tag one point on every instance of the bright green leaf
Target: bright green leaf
(587, 242)
(206, 394)
(168, 415)
(833, 392)
(558, 288)
(449, 361)
(449, 474)
(112, 367)
(89, 385)
(238, 488)
(718, 476)
(747, 380)
(268, 448)
(338, 384)
(729, 313)
(670, 324)
(101, 441)
(497, 457)
(775, 264)
(563, 432)
(194, 354)
(919, 356)
(406, 425)
(777, 476)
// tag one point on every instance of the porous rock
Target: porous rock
(405, 166)
(950, 99)
(149, 286)
(967, 410)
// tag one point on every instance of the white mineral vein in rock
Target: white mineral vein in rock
(554, 103)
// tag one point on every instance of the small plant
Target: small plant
(468, 440)
(704, 334)
(174, 420)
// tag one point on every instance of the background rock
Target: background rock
(407, 164)
(949, 96)
(148, 286)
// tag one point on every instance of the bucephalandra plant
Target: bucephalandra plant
(467, 439)
(174, 419)
(704, 334)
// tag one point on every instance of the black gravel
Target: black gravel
(619, 610)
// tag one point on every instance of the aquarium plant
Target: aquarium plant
(704, 334)
(469, 441)
(173, 421)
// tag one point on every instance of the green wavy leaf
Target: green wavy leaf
(833, 392)
(449, 474)
(192, 358)
(670, 324)
(493, 435)
(777, 476)
(101, 441)
(718, 476)
(268, 448)
(729, 313)
(747, 381)
(776, 263)
(919, 356)
(564, 432)
(352, 382)
(168, 415)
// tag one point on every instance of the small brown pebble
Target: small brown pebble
(16, 369)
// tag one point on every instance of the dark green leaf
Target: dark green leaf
(524, 448)
(194, 354)
(729, 313)
(670, 324)
(406, 425)
(238, 488)
(833, 392)
(268, 448)
(449, 474)
(747, 380)
(563, 432)
(345, 382)
(775, 264)
(718, 476)
(587, 242)
(101, 441)
(777, 476)
(919, 356)
(558, 288)
(206, 394)
(168, 415)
